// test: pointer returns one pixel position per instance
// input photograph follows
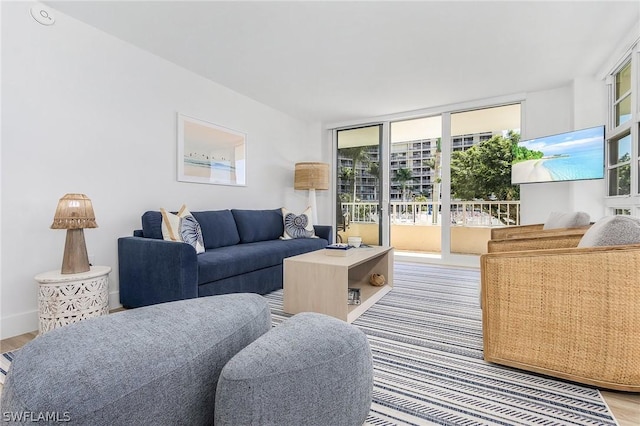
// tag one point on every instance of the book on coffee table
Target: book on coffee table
(339, 250)
(353, 296)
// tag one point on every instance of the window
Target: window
(622, 98)
(622, 211)
(623, 144)
(620, 165)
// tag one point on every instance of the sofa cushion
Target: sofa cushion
(225, 262)
(218, 228)
(182, 227)
(297, 225)
(558, 220)
(258, 225)
(612, 231)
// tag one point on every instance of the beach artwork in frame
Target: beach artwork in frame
(209, 153)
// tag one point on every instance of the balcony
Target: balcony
(414, 227)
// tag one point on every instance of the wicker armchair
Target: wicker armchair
(571, 313)
(540, 240)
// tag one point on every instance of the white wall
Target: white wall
(578, 105)
(546, 113)
(85, 112)
(589, 110)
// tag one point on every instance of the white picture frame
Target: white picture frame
(209, 153)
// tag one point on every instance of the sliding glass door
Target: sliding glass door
(430, 186)
(482, 196)
(359, 184)
(415, 176)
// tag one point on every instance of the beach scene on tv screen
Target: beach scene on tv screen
(568, 156)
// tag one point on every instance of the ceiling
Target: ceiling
(336, 61)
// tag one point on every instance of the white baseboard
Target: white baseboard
(27, 322)
(114, 300)
(16, 325)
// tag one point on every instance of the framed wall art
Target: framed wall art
(208, 153)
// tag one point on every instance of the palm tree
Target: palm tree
(357, 154)
(434, 163)
(374, 170)
(347, 175)
(403, 175)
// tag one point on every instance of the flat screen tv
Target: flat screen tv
(575, 155)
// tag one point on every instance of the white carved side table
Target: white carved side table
(67, 298)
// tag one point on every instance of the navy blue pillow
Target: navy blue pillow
(218, 228)
(152, 225)
(258, 225)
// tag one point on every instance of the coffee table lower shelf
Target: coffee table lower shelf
(369, 295)
(315, 282)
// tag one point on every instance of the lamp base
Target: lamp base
(312, 204)
(75, 259)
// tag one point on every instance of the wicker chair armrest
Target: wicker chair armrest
(550, 232)
(552, 241)
(529, 231)
(571, 313)
(502, 233)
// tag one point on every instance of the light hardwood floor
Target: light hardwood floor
(625, 406)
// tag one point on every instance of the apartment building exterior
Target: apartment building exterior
(416, 155)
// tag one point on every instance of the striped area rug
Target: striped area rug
(5, 363)
(426, 340)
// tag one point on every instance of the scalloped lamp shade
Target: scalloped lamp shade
(74, 213)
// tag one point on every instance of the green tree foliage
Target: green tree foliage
(623, 181)
(521, 153)
(484, 170)
(374, 170)
(403, 176)
(357, 154)
(346, 175)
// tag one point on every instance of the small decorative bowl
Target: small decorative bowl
(376, 280)
(354, 241)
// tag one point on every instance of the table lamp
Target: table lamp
(74, 213)
(312, 176)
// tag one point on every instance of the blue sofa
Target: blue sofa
(244, 254)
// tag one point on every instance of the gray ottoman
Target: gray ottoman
(310, 370)
(156, 365)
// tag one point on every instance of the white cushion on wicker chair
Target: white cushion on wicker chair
(612, 231)
(566, 220)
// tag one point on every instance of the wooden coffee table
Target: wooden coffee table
(317, 282)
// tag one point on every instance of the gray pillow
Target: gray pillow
(612, 231)
(566, 220)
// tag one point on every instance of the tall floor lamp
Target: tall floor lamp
(312, 176)
(74, 213)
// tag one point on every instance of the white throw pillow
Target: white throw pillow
(558, 220)
(612, 231)
(297, 226)
(182, 227)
